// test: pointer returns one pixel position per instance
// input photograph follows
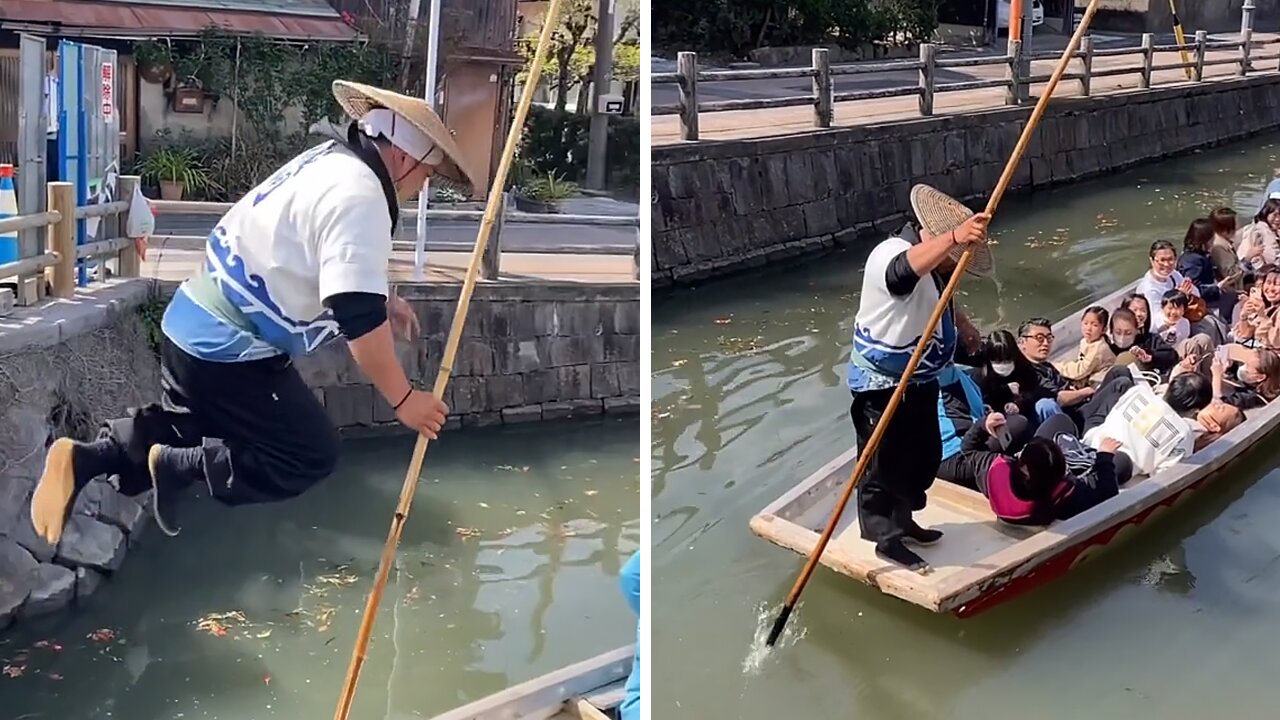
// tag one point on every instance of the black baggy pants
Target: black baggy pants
(265, 435)
(905, 463)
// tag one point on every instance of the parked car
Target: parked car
(1003, 9)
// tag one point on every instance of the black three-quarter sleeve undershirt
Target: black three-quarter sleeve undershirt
(358, 313)
(900, 279)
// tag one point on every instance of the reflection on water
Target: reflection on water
(508, 569)
(749, 399)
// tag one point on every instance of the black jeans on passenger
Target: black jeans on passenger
(1061, 424)
(905, 463)
(265, 436)
(1117, 382)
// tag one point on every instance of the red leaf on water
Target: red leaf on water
(266, 679)
(13, 671)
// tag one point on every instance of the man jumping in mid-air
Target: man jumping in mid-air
(299, 260)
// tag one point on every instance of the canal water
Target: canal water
(508, 569)
(749, 399)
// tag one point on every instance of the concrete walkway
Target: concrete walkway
(743, 124)
(176, 261)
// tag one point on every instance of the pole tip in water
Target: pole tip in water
(776, 631)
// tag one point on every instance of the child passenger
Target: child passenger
(1095, 357)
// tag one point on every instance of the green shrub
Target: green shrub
(556, 142)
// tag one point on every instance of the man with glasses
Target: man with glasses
(1054, 397)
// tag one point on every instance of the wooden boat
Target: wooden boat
(589, 690)
(982, 562)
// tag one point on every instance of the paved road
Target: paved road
(666, 94)
(457, 236)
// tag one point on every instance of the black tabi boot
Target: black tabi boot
(69, 465)
(913, 533)
(895, 551)
(172, 471)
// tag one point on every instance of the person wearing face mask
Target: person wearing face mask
(1131, 340)
(298, 261)
(1255, 380)
(1008, 380)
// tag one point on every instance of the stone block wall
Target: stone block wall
(529, 352)
(723, 207)
(62, 372)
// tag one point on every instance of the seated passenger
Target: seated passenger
(1007, 380)
(1095, 357)
(1255, 380)
(629, 580)
(1154, 432)
(960, 405)
(1035, 340)
(1176, 327)
(1036, 486)
(1132, 341)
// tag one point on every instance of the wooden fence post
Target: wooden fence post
(1013, 93)
(129, 265)
(1148, 58)
(687, 69)
(491, 263)
(1246, 38)
(928, 53)
(823, 92)
(1086, 64)
(62, 238)
(1202, 41)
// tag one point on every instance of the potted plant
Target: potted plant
(175, 169)
(543, 194)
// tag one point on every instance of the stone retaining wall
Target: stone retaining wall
(530, 352)
(723, 207)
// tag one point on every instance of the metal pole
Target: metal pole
(602, 79)
(429, 93)
(1246, 16)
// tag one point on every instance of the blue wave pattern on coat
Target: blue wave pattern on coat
(875, 364)
(205, 334)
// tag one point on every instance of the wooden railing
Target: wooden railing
(1016, 81)
(493, 250)
(57, 266)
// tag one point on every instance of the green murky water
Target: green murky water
(749, 399)
(508, 569)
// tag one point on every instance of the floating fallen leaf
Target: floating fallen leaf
(263, 634)
(54, 676)
(723, 321)
(266, 679)
(589, 493)
(483, 505)
(338, 579)
(13, 671)
(102, 635)
(467, 532)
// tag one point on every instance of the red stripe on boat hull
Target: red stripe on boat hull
(1064, 561)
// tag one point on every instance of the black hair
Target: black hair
(1224, 221)
(1125, 314)
(1176, 298)
(1270, 206)
(1188, 393)
(1143, 327)
(1199, 236)
(1159, 245)
(1099, 313)
(1002, 347)
(1045, 467)
(1034, 322)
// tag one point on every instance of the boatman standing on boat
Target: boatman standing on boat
(901, 286)
(298, 261)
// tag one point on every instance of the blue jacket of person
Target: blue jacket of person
(629, 580)
(958, 394)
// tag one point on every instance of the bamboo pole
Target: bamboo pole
(865, 454)
(359, 652)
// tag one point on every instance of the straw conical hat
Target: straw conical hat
(939, 213)
(357, 99)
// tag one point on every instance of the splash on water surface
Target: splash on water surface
(759, 652)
